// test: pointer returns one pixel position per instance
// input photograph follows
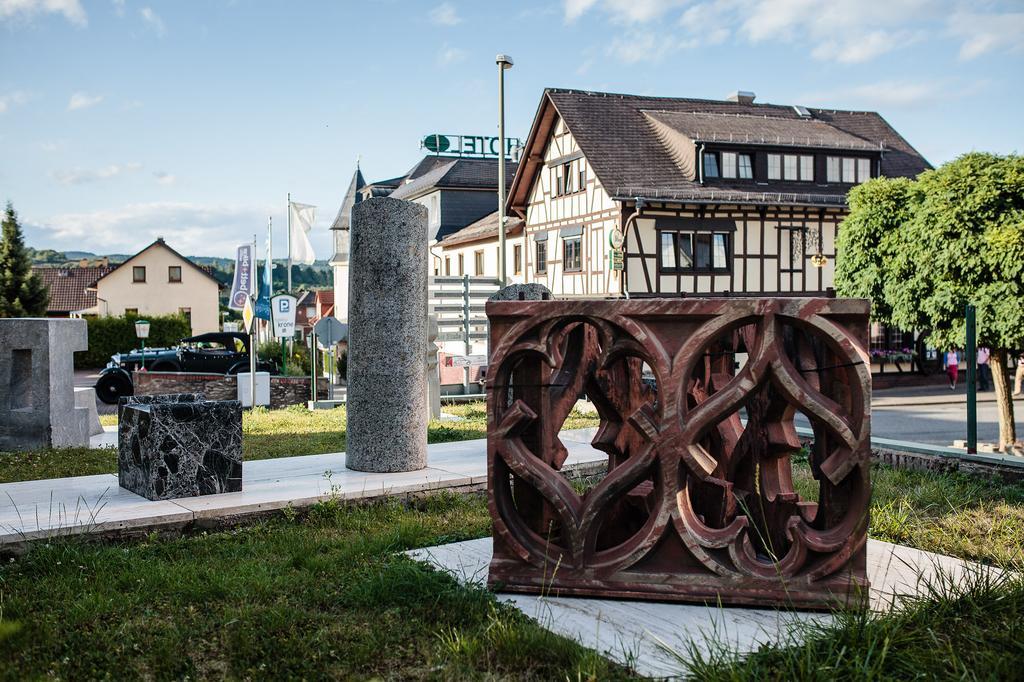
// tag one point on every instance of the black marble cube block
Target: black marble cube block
(175, 448)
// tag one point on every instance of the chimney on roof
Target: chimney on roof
(83, 262)
(742, 97)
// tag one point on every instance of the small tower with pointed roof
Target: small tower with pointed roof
(341, 230)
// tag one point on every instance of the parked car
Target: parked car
(213, 353)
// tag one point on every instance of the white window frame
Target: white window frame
(728, 164)
(774, 166)
(863, 170)
(807, 168)
(749, 169)
(849, 170)
(790, 167)
(833, 169)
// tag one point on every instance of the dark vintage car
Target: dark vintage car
(213, 353)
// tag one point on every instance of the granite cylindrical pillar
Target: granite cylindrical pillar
(387, 337)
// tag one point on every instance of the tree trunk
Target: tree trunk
(1004, 401)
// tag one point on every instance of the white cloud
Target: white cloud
(445, 14)
(844, 31)
(893, 94)
(82, 176)
(192, 229)
(574, 9)
(450, 55)
(622, 11)
(982, 33)
(863, 47)
(83, 100)
(153, 20)
(642, 46)
(16, 98)
(28, 9)
(165, 178)
(51, 146)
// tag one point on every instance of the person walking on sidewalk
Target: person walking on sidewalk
(951, 360)
(984, 370)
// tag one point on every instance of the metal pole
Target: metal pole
(312, 365)
(252, 368)
(972, 386)
(467, 341)
(289, 243)
(501, 176)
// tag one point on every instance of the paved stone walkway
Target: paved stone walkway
(95, 505)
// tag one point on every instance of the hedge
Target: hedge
(110, 335)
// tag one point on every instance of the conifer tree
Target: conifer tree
(22, 293)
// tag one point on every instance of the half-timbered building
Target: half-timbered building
(706, 197)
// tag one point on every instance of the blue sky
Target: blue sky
(122, 121)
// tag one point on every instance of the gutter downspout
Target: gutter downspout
(631, 220)
(700, 163)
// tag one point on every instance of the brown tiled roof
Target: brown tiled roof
(485, 228)
(617, 137)
(70, 287)
(758, 130)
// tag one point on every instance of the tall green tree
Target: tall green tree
(22, 294)
(924, 249)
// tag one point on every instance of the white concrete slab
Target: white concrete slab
(652, 637)
(106, 439)
(95, 504)
(85, 504)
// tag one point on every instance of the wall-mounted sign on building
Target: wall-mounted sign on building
(469, 145)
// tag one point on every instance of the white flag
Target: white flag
(302, 218)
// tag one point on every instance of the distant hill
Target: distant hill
(316, 276)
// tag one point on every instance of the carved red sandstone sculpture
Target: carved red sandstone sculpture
(699, 503)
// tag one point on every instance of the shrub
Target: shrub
(110, 335)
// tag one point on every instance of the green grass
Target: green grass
(971, 630)
(325, 595)
(266, 434)
(328, 594)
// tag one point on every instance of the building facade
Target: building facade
(457, 191)
(709, 197)
(160, 281)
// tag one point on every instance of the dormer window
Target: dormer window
(847, 170)
(863, 170)
(710, 165)
(789, 167)
(774, 166)
(746, 167)
(728, 164)
(807, 168)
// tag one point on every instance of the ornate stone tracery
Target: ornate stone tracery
(697, 400)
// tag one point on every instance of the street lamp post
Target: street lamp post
(504, 63)
(142, 332)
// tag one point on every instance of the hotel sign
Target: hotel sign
(468, 145)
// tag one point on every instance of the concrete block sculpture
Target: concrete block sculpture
(37, 376)
(387, 318)
(179, 445)
(699, 503)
